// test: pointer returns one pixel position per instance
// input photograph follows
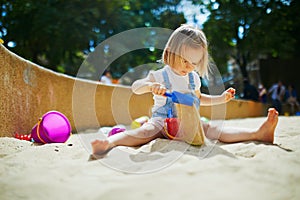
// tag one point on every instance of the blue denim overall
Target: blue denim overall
(169, 110)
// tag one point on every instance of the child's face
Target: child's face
(190, 59)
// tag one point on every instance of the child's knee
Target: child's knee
(205, 126)
(148, 131)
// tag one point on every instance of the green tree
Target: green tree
(58, 34)
(247, 29)
(49, 33)
(136, 14)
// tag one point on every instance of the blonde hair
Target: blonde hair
(186, 36)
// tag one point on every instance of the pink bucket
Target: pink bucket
(53, 127)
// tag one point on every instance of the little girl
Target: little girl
(185, 54)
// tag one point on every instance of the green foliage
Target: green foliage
(248, 29)
(49, 32)
(58, 34)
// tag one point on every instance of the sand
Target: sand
(162, 169)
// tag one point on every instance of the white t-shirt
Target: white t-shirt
(275, 95)
(105, 80)
(177, 82)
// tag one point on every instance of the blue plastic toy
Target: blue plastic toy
(181, 98)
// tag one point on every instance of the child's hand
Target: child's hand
(157, 88)
(229, 94)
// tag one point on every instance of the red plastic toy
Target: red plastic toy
(172, 127)
(23, 136)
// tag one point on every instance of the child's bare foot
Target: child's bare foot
(266, 132)
(100, 146)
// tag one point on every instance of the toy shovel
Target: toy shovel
(181, 98)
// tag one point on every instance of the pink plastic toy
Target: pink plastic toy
(115, 131)
(53, 127)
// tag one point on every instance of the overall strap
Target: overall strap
(166, 79)
(192, 85)
(170, 106)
